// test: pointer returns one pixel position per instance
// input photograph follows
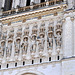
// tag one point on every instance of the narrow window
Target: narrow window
(58, 57)
(8, 5)
(15, 64)
(28, 3)
(49, 58)
(0, 66)
(40, 60)
(32, 61)
(7, 65)
(42, 1)
(23, 62)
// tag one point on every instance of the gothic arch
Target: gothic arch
(30, 72)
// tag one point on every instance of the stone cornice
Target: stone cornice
(34, 14)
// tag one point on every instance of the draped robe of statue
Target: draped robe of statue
(33, 44)
(41, 43)
(58, 40)
(25, 47)
(50, 42)
(2, 48)
(17, 47)
(9, 49)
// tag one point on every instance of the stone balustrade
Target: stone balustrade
(33, 7)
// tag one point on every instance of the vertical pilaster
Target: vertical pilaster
(4, 58)
(68, 38)
(45, 45)
(37, 52)
(13, 51)
(54, 50)
(74, 35)
(13, 45)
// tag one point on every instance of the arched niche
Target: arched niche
(30, 72)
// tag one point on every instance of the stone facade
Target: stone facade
(40, 42)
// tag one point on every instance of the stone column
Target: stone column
(32, 0)
(0, 30)
(67, 38)
(70, 4)
(37, 1)
(13, 4)
(16, 3)
(20, 53)
(45, 45)
(4, 58)
(13, 51)
(13, 45)
(24, 2)
(37, 52)
(3, 3)
(74, 34)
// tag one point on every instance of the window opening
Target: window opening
(28, 3)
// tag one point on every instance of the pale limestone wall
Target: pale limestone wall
(74, 36)
(63, 67)
(52, 68)
(68, 35)
(68, 67)
(68, 47)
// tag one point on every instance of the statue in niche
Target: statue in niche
(58, 40)
(33, 43)
(25, 44)
(50, 40)
(9, 49)
(17, 46)
(50, 43)
(2, 48)
(41, 42)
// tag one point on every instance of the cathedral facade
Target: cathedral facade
(37, 37)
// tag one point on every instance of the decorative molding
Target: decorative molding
(34, 14)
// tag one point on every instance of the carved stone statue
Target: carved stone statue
(25, 45)
(9, 49)
(58, 41)
(41, 42)
(50, 42)
(3, 48)
(33, 44)
(17, 46)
